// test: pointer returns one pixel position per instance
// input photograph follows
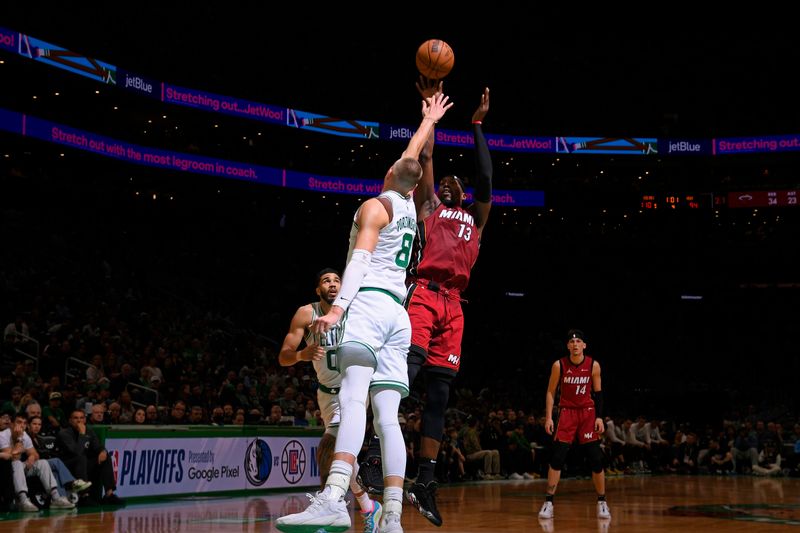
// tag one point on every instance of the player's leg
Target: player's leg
(422, 493)
(389, 386)
(595, 456)
(557, 461)
(366, 320)
(419, 304)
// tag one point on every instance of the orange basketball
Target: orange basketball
(435, 59)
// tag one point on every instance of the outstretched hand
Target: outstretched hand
(428, 87)
(436, 106)
(483, 108)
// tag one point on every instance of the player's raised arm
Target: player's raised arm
(483, 166)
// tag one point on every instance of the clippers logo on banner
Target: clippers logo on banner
(293, 462)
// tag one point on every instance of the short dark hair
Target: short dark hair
(324, 271)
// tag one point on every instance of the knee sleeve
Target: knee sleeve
(560, 450)
(595, 456)
(385, 403)
(415, 360)
(437, 386)
(353, 405)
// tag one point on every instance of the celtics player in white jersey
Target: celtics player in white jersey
(376, 338)
(320, 350)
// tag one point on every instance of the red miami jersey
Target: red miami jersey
(576, 384)
(449, 260)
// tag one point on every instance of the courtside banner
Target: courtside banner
(156, 466)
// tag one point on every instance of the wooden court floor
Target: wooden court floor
(638, 504)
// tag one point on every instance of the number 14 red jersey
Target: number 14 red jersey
(576, 384)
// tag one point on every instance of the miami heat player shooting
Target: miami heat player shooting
(580, 417)
(449, 238)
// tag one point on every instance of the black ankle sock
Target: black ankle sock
(549, 498)
(601, 498)
(426, 470)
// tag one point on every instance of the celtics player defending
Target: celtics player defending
(320, 351)
(377, 334)
(580, 417)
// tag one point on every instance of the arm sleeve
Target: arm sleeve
(354, 274)
(598, 403)
(483, 167)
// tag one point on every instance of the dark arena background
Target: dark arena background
(664, 224)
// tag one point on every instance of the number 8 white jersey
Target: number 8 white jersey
(393, 253)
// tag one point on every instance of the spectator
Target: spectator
(139, 417)
(769, 461)
(473, 451)
(53, 413)
(15, 403)
(685, 461)
(47, 450)
(151, 415)
(14, 442)
(17, 331)
(719, 458)
(99, 415)
(86, 458)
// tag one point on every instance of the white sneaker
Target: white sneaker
(547, 510)
(26, 506)
(322, 512)
(526, 475)
(602, 510)
(80, 485)
(390, 523)
(60, 502)
(515, 476)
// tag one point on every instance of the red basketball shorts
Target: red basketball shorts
(578, 423)
(437, 326)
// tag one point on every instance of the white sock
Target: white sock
(393, 499)
(364, 502)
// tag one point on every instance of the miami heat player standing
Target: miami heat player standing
(449, 239)
(580, 416)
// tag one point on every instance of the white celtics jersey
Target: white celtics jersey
(326, 369)
(392, 254)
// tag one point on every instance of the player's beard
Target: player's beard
(328, 298)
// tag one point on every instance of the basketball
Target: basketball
(435, 59)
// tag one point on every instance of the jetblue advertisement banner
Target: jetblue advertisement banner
(685, 146)
(218, 103)
(757, 145)
(152, 467)
(138, 84)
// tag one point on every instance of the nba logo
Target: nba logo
(115, 464)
